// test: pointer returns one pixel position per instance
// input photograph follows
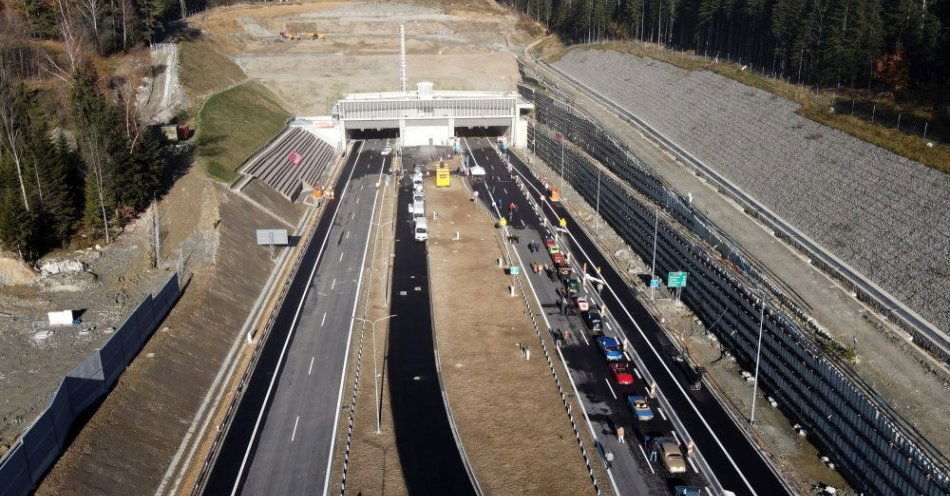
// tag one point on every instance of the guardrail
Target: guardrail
(25, 465)
(925, 334)
(868, 441)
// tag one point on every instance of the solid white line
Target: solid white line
(677, 438)
(294, 433)
(708, 491)
(570, 377)
(610, 388)
(349, 338)
(690, 460)
(635, 371)
(293, 325)
(644, 453)
(661, 413)
(324, 319)
(311, 365)
(655, 352)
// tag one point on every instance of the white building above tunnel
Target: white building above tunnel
(429, 117)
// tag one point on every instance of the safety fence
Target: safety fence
(925, 334)
(867, 440)
(27, 462)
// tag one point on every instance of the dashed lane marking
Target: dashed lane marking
(324, 319)
(294, 433)
(311, 365)
(610, 388)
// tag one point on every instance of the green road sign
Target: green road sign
(676, 280)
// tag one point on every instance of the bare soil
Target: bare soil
(137, 429)
(463, 45)
(508, 410)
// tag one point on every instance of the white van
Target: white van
(421, 230)
(417, 207)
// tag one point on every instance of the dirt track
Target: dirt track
(508, 410)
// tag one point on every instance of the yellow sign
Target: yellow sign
(503, 222)
(563, 222)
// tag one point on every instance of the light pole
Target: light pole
(656, 221)
(372, 324)
(758, 353)
(598, 203)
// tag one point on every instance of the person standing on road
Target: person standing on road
(620, 433)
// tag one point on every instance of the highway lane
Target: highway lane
(282, 437)
(428, 452)
(736, 462)
(630, 472)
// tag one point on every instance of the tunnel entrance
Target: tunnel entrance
(361, 134)
(481, 131)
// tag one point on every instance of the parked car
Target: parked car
(641, 408)
(593, 320)
(622, 371)
(387, 150)
(421, 230)
(610, 348)
(669, 452)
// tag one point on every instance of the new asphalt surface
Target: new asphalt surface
(428, 452)
(735, 461)
(281, 438)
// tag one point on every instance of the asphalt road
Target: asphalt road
(428, 452)
(736, 462)
(282, 436)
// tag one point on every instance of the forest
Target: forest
(898, 46)
(76, 162)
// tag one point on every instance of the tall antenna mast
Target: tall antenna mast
(402, 58)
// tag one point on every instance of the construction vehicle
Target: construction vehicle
(442, 177)
(302, 35)
(317, 192)
(555, 193)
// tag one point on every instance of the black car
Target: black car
(593, 320)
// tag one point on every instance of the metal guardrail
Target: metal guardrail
(868, 441)
(925, 333)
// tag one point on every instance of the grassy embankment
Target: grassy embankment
(233, 117)
(815, 107)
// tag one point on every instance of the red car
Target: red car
(622, 371)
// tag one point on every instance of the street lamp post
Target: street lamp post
(656, 221)
(372, 324)
(758, 353)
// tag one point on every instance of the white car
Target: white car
(421, 230)
(387, 150)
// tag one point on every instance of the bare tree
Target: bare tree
(12, 137)
(127, 12)
(96, 166)
(125, 89)
(92, 10)
(74, 45)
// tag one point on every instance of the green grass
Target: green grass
(205, 69)
(234, 124)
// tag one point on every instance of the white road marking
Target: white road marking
(347, 235)
(610, 388)
(341, 256)
(635, 371)
(294, 433)
(358, 199)
(708, 491)
(656, 353)
(661, 413)
(311, 364)
(584, 336)
(690, 460)
(293, 324)
(677, 438)
(645, 458)
(324, 319)
(333, 285)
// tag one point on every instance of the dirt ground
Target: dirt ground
(795, 457)
(467, 45)
(373, 466)
(139, 426)
(516, 432)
